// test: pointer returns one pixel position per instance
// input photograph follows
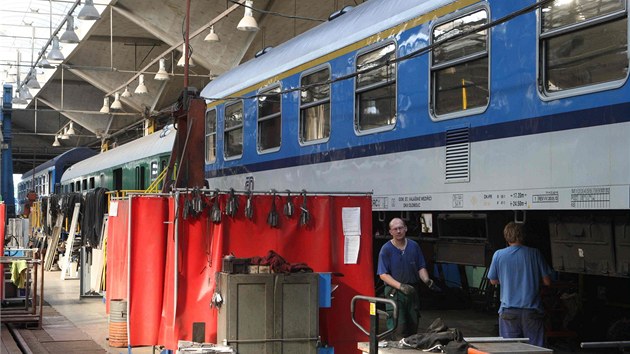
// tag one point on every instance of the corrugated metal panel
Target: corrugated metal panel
(457, 155)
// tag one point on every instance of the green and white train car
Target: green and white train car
(132, 166)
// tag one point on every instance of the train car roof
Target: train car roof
(75, 154)
(154, 144)
(359, 23)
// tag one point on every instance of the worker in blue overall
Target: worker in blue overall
(520, 270)
(401, 266)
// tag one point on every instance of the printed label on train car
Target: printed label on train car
(605, 197)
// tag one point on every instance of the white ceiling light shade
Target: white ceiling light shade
(55, 54)
(105, 108)
(182, 60)
(248, 22)
(44, 62)
(64, 135)
(116, 104)
(32, 80)
(141, 89)
(18, 99)
(25, 93)
(71, 130)
(162, 74)
(212, 37)
(69, 36)
(56, 142)
(126, 93)
(89, 12)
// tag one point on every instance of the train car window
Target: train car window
(233, 130)
(211, 136)
(71, 187)
(583, 43)
(77, 186)
(315, 106)
(459, 67)
(84, 185)
(269, 119)
(92, 183)
(375, 99)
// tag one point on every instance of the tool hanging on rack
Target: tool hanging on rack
(272, 218)
(231, 206)
(215, 212)
(305, 215)
(289, 207)
(249, 206)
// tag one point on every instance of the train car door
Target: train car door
(118, 179)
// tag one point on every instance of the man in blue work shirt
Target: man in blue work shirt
(520, 269)
(401, 266)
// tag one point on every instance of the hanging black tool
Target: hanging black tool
(215, 212)
(249, 206)
(231, 206)
(198, 203)
(305, 215)
(272, 218)
(289, 207)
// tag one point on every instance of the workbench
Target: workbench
(33, 298)
(491, 345)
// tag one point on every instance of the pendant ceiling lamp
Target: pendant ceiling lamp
(32, 80)
(126, 93)
(248, 22)
(18, 99)
(162, 74)
(116, 104)
(55, 54)
(25, 93)
(44, 62)
(64, 135)
(69, 36)
(56, 142)
(212, 37)
(89, 12)
(71, 130)
(105, 108)
(141, 89)
(181, 60)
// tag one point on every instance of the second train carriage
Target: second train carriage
(458, 115)
(45, 179)
(132, 166)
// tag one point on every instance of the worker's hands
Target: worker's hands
(433, 287)
(407, 289)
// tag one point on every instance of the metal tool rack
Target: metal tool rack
(33, 298)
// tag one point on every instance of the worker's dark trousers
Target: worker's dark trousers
(408, 313)
(519, 323)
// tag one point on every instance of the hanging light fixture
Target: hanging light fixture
(11, 75)
(116, 104)
(89, 12)
(105, 108)
(44, 62)
(212, 37)
(56, 142)
(69, 36)
(55, 54)
(248, 22)
(182, 60)
(18, 99)
(25, 94)
(141, 89)
(32, 80)
(162, 74)
(126, 93)
(71, 130)
(64, 134)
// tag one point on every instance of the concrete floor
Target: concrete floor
(87, 314)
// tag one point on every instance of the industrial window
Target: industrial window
(211, 136)
(376, 89)
(315, 106)
(233, 130)
(269, 119)
(583, 42)
(459, 67)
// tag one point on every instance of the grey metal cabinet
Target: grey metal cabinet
(269, 313)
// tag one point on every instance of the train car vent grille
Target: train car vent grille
(457, 155)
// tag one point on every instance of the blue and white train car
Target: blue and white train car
(44, 179)
(458, 115)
